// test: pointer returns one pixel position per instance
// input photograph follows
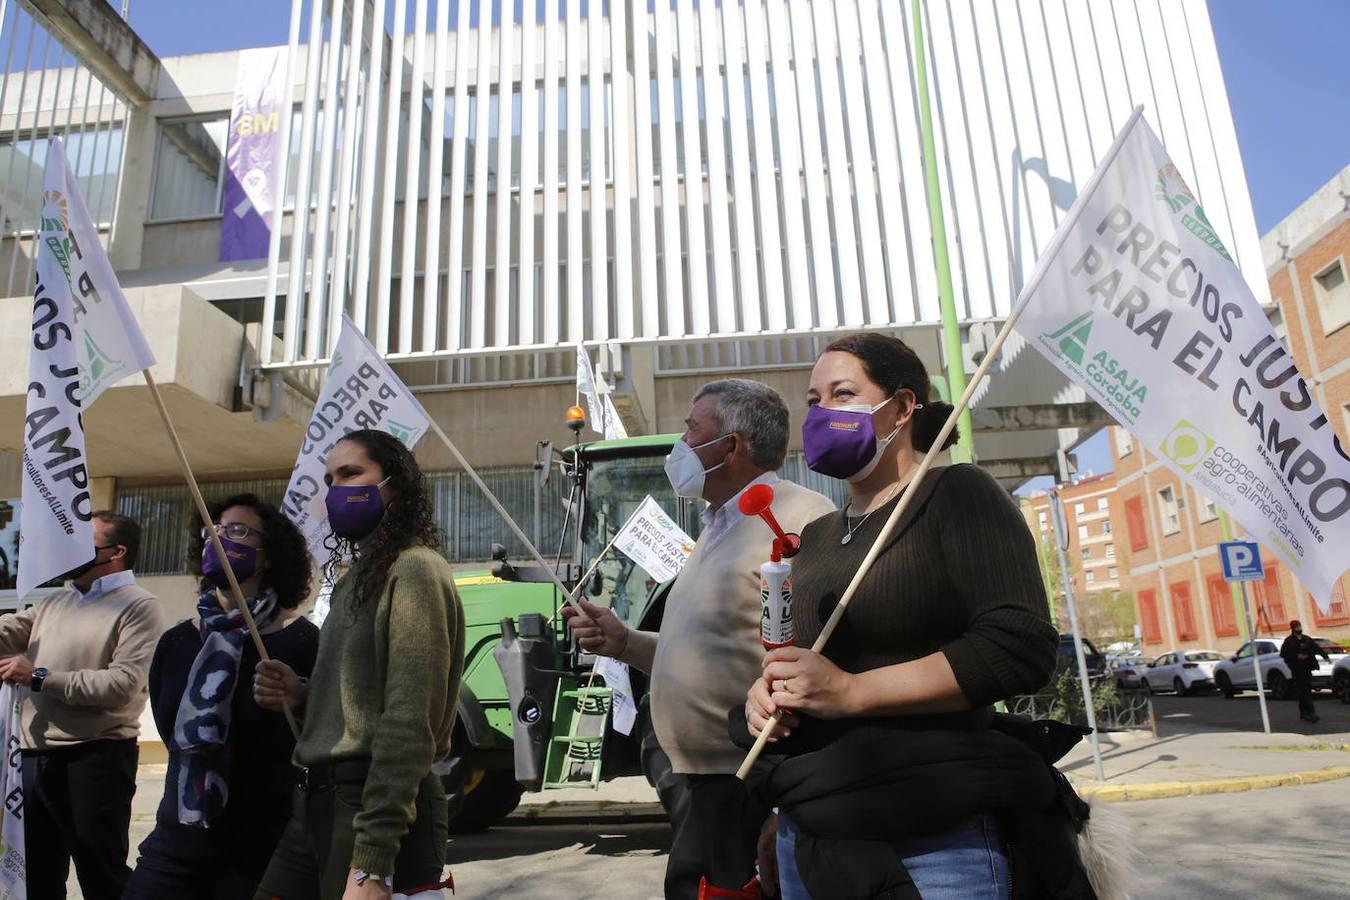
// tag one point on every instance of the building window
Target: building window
(95, 157)
(1106, 527)
(1124, 443)
(1041, 518)
(1148, 616)
(1087, 553)
(1339, 611)
(1079, 509)
(189, 168)
(1082, 532)
(1134, 523)
(1103, 504)
(1221, 610)
(1268, 600)
(1110, 551)
(1112, 573)
(1182, 613)
(1333, 296)
(1167, 507)
(1090, 577)
(1208, 511)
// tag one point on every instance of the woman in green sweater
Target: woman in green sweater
(370, 815)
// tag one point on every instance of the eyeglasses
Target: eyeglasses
(235, 531)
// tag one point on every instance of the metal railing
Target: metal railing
(48, 91)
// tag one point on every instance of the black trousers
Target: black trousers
(184, 862)
(1303, 690)
(77, 804)
(716, 828)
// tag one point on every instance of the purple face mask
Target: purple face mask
(841, 442)
(354, 510)
(243, 560)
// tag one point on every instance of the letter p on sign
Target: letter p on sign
(1241, 561)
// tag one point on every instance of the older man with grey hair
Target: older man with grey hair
(708, 651)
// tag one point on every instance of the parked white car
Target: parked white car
(1181, 671)
(1237, 673)
(1340, 678)
(1127, 671)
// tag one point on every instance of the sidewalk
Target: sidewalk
(1144, 768)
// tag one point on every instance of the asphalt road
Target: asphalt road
(1211, 712)
(1287, 842)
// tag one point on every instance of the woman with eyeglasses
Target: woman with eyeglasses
(370, 815)
(229, 780)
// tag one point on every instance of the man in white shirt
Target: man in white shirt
(84, 652)
(708, 652)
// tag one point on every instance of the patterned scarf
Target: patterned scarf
(200, 757)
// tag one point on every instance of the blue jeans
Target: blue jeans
(968, 862)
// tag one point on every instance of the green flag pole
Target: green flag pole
(964, 450)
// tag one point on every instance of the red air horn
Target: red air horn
(756, 502)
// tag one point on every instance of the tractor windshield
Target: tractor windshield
(614, 489)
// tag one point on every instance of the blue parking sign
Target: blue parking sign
(1241, 561)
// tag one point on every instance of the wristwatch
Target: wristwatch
(39, 676)
(361, 876)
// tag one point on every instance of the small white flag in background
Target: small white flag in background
(359, 391)
(586, 387)
(651, 539)
(13, 856)
(1140, 303)
(84, 340)
(614, 429)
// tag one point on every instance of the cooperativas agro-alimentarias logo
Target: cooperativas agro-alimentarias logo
(1172, 190)
(1186, 445)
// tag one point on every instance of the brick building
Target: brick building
(1169, 530)
(1091, 510)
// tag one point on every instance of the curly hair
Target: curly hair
(288, 571)
(409, 519)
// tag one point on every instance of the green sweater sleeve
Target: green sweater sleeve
(417, 618)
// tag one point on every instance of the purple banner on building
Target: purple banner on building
(252, 152)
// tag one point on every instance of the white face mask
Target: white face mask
(685, 470)
(882, 442)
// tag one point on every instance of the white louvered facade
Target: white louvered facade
(687, 170)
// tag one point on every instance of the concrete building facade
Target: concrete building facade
(709, 190)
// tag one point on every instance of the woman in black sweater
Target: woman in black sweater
(951, 619)
(228, 788)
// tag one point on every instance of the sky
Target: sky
(1284, 64)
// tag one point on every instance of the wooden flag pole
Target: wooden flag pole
(884, 536)
(236, 593)
(501, 511)
(576, 591)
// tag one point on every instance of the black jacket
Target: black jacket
(1299, 653)
(868, 786)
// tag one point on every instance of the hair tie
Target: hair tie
(918, 406)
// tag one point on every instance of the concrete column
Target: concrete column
(133, 202)
(103, 493)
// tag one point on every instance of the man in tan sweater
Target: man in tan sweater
(84, 652)
(708, 652)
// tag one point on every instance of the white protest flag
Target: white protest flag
(586, 387)
(84, 339)
(614, 429)
(359, 391)
(651, 539)
(13, 856)
(1139, 302)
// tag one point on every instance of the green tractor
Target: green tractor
(531, 716)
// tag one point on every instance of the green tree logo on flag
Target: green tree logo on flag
(1172, 190)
